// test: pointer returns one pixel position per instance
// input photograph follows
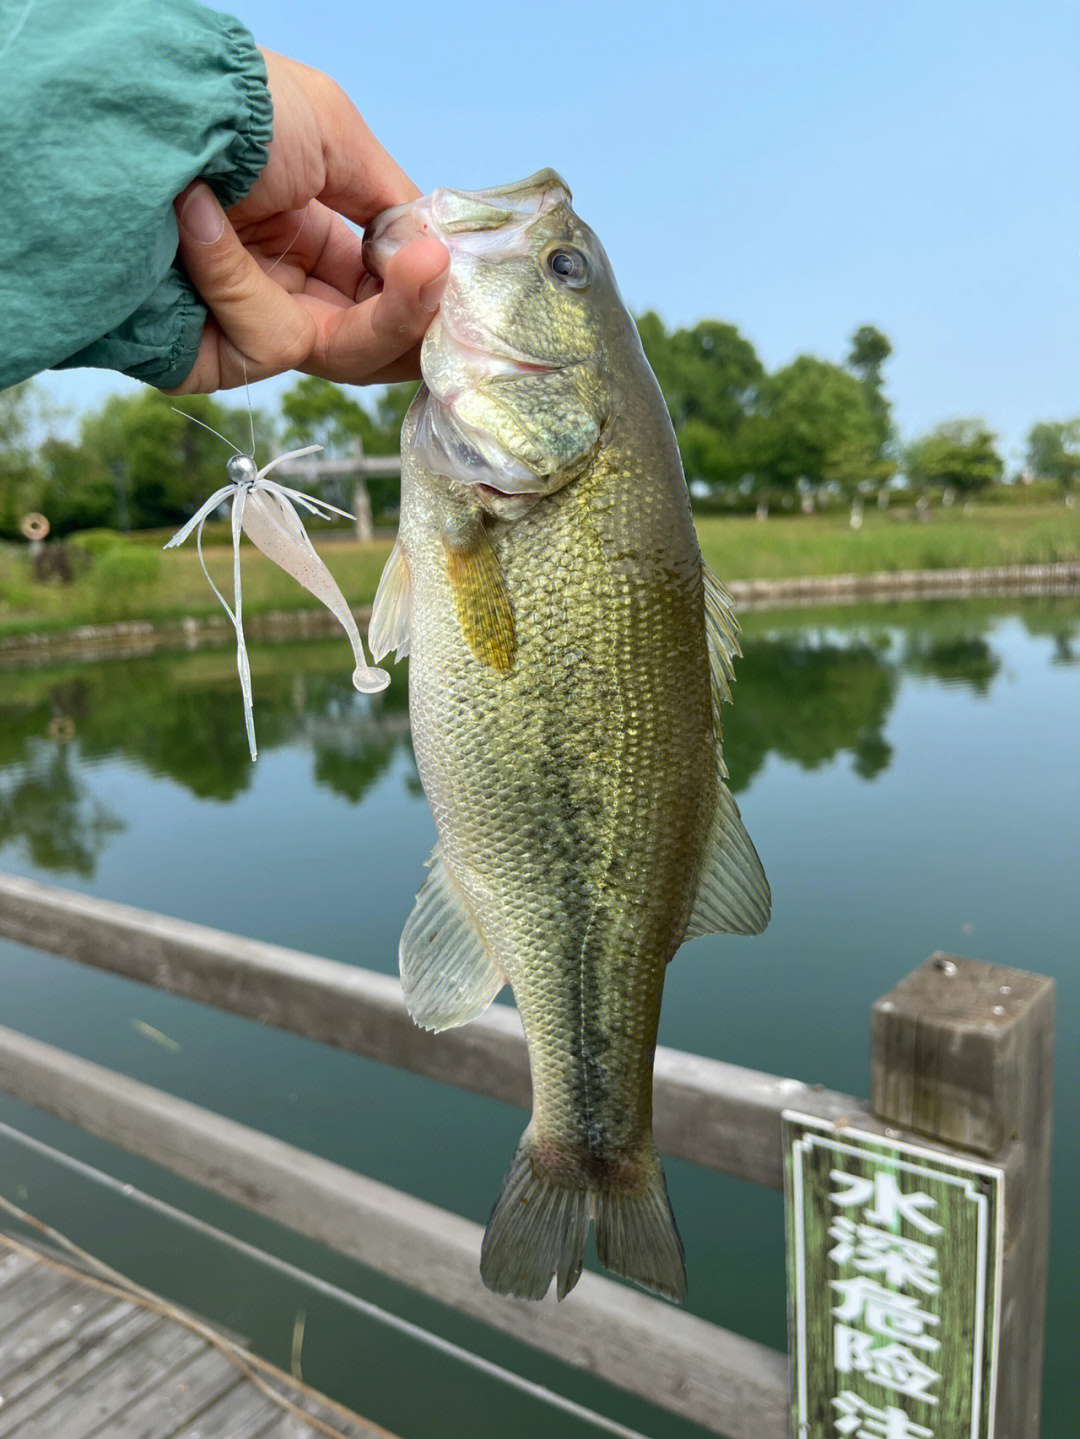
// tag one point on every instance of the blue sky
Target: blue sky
(796, 169)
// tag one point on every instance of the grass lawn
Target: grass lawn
(138, 581)
(151, 585)
(793, 547)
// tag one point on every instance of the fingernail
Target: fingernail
(431, 293)
(202, 216)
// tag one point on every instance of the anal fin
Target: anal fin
(733, 894)
(446, 972)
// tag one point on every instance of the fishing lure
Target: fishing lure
(265, 511)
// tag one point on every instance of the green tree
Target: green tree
(869, 351)
(709, 375)
(391, 406)
(961, 454)
(813, 423)
(20, 476)
(318, 412)
(956, 659)
(808, 700)
(158, 464)
(75, 496)
(1053, 451)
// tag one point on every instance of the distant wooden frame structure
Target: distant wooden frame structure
(961, 1056)
(357, 467)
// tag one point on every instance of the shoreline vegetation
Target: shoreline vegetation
(125, 584)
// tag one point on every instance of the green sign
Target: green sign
(894, 1266)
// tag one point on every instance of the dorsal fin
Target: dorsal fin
(722, 636)
(446, 972)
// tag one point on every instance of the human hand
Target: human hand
(282, 274)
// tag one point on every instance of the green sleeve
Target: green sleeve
(111, 107)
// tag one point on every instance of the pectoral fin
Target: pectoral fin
(391, 614)
(480, 595)
(446, 972)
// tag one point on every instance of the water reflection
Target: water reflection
(48, 808)
(810, 698)
(176, 717)
(966, 659)
(812, 687)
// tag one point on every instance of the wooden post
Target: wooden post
(365, 527)
(962, 1051)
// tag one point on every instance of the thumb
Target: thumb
(254, 314)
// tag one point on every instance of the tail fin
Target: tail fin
(537, 1228)
(541, 1219)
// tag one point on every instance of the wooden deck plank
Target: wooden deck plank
(80, 1363)
(52, 1361)
(31, 1394)
(289, 1427)
(28, 1292)
(241, 1414)
(144, 1364)
(67, 1313)
(16, 1275)
(170, 1407)
(12, 1264)
(286, 1427)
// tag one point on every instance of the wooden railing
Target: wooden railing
(714, 1114)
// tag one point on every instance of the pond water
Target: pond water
(910, 775)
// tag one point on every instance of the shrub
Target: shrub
(120, 576)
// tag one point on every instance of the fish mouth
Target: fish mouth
(488, 356)
(495, 221)
(503, 505)
(466, 364)
(493, 492)
(482, 225)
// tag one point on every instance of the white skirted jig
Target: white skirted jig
(265, 511)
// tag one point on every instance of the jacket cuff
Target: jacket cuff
(238, 167)
(158, 344)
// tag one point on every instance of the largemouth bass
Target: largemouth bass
(569, 652)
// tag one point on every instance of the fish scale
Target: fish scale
(564, 719)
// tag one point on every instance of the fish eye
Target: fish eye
(569, 266)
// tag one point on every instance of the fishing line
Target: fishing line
(289, 1271)
(13, 34)
(195, 421)
(265, 510)
(243, 358)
